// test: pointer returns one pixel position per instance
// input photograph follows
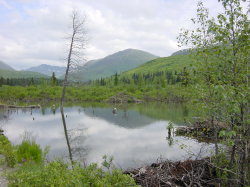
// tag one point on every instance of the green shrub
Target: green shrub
(8, 151)
(10, 158)
(28, 150)
(57, 173)
(4, 142)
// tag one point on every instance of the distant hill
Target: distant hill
(161, 64)
(48, 70)
(181, 52)
(4, 66)
(115, 63)
(20, 74)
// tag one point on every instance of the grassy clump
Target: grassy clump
(28, 150)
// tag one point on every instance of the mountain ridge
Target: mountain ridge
(20, 74)
(115, 63)
(4, 66)
(48, 69)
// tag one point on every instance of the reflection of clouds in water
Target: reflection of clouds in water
(131, 147)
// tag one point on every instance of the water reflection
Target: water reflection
(66, 133)
(74, 138)
(134, 136)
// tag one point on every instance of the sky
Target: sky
(34, 32)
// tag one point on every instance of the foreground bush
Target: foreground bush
(57, 173)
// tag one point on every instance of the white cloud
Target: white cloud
(33, 32)
(5, 4)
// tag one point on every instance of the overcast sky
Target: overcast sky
(33, 32)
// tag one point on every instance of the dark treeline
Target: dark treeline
(53, 81)
(161, 78)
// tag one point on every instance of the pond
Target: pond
(134, 135)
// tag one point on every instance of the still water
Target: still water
(135, 135)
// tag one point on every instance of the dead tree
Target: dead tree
(75, 55)
(77, 45)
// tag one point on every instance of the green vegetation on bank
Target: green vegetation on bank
(10, 94)
(57, 173)
(32, 170)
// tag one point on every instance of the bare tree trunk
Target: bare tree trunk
(66, 135)
(65, 82)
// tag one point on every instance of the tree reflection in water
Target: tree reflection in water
(66, 134)
(75, 138)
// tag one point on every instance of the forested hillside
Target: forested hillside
(171, 63)
(161, 71)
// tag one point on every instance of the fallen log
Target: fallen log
(14, 106)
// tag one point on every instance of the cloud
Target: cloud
(5, 4)
(33, 32)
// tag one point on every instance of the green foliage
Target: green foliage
(10, 158)
(220, 48)
(53, 79)
(116, 80)
(28, 151)
(8, 151)
(170, 125)
(4, 142)
(107, 161)
(57, 173)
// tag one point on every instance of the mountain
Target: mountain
(115, 63)
(4, 66)
(48, 70)
(176, 62)
(181, 52)
(20, 74)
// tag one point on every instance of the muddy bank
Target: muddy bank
(202, 130)
(181, 173)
